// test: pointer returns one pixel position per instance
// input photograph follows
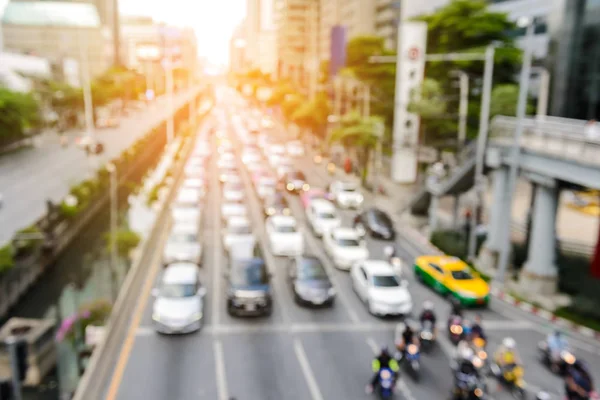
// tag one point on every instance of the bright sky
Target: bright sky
(213, 20)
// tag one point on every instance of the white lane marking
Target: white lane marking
(311, 241)
(220, 370)
(233, 329)
(217, 251)
(400, 384)
(315, 392)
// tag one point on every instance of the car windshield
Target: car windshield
(380, 218)
(348, 189)
(181, 237)
(233, 187)
(345, 242)
(311, 268)
(240, 230)
(385, 281)
(178, 290)
(268, 184)
(285, 228)
(462, 275)
(249, 274)
(297, 175)
(326, 215)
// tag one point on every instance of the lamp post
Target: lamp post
(87, 97)
(529, 23)
(463, 78)
(112, 170)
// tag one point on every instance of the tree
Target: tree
(504, 101)
(291, 103)
(280, 92)
(358, 132)
(313, 115)
(429, 103)
(19, 112)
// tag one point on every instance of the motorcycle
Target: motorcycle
(331, 168)
(426, 335)
(478, 346)
(511, 377)
(455, 329)
(473, 389)
(317, 159)
(385, 385)
(558, 367)
(411, 359)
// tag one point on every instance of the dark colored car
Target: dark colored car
(375, 222)
(310, 282)
(295, 182)
(249, 288)
(276, 204)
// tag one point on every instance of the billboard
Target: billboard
(337, 51)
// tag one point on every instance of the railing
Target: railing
(557, 137)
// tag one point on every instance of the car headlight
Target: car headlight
(196, 316)
(290, 186)
(456, 329)
(567, 357)
(156, 317)
(306, 187)
(412, 349)
(478, 392)
(426, 335)
(270, 211)
(482, 355)
(477, 363)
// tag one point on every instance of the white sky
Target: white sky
(213, 20)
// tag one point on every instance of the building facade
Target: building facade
(387, 16)
(292, 26)
(57, 31)
(358, 16)
(574, 59)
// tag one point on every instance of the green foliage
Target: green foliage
(7, 257)
(313, 115)
(291, 103)
(125, 239)
(27, 244)
(504, 101)
(95, 313)
(428, 102)
(18, 113)
(280, 92)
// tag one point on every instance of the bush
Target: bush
(29, 244)
(126, 240)
(68, 211)
(454, 243)
(7, 257)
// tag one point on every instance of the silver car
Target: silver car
(178, 300)
(183, 244)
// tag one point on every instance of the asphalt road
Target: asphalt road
(47, 171)
(299, 353)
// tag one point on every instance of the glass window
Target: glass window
(178, 290)
(437, 268)
(311, 268)
(462, 275)
(249, 274)
(385, 281)
(240, 230)
(326, 215)
(285, 228)
(180, 237)
(342, 242)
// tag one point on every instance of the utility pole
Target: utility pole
(114, 259)
(12, 343)
(542, 102)
(463, 108)
(87, 98)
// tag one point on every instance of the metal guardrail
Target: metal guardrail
(557, 137)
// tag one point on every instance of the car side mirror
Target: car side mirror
(155, 292)
(202, 292)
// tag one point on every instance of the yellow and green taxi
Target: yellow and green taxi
(450, 276)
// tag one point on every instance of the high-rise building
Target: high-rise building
(237, 50)
(292, 23)
(387, 16)
(253, 28)
(358, 16)
(329, 16)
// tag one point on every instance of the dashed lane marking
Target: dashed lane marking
(309, 376)
(220, 370)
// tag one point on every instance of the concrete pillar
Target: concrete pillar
(434, 207)
(540, 272)
(488, 256)
(456, 212)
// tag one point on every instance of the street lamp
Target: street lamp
(112, 170)
(529, 24)
(463, 106)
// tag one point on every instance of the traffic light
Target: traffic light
(22, 364)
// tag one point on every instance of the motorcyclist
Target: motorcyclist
(383, 360)
(464, 370)
(429, 315)
(477, 328)
(456, 309)
(557, 343)
(578, 381)
(506, 356)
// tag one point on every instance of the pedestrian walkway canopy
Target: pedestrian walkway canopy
(51, 13)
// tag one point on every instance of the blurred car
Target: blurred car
(188, 197)
(230, 176)
(295, 149)
(284, 170)
(225, 146)
(345, 246)
(376, 223)
(283, 236)
(259, 174)
(238, 231)
(309, 281)
(233, 209)
(276, 204)
(322, 216)
(376, 284)
(250, 156)
(233, 191)
(178, 300)
(313, 194)
(183, 244)
(249, 288)
(346, 194)
(263, 140)
(194, 171)
(107, 122)
(266, 187)
(198, 184)
(227, 162)
(275, 150)
(202, 149)
(186, 215)
(295, 182)
(254, 167)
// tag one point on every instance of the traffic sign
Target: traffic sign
(413, 53)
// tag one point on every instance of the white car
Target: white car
(230, 177)
(345, 246)
(379, 287)
(178, 300)
(185, 215)
(195, 184)
(275, 160)
(254, 166)
(295, 149)
(284, 237)
(250, 157)
(347, 194)
(276, 150)
(233, 191)
(183, 244)
(233, 209)
(188, 197)
(226, 163)
(322, 216)
(238, 232)
(202, 149)
(284, 170)
(266, 186)
(194, 171)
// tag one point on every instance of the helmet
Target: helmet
(558, 333)
(509, 343)
(384, 349)
(428, 305)
(388, 251)
(542, 396)
(466, 353)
